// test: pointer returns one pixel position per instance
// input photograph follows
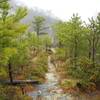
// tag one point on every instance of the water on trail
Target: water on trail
(50, 90)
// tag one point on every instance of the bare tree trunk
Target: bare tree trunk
(89, 52)
(93, 51)
(10, 72)
(38, 30)
(75, 52)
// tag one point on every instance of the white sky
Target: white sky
(64, 9)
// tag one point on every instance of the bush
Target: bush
(12, 93)
(85, 71)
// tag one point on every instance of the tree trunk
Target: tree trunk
(38, 30)
(93, 51)
(10, 72)
(75, 52)
(89, 52)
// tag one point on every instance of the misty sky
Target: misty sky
(64, 9)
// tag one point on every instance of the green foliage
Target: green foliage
(38, 24)
(45, 40)
(69, 83)
(78, 49)
(13, 93)
(11, 31)
(60, 54)
(39, 67)
(3, 73)
(81, 43)
(39, 42)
